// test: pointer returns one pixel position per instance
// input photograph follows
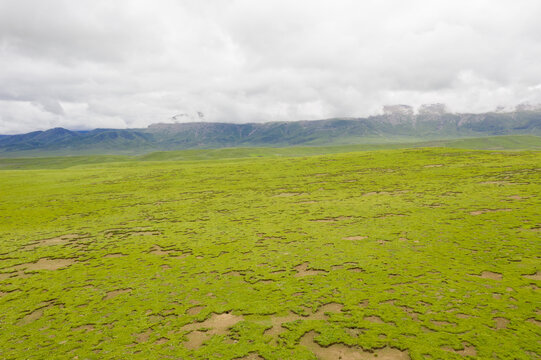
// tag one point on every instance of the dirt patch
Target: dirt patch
(232, 273)
(536, 276)
(355, 332)
(501, 322)
(484, 211)
(34, 315)
(491, 275)
(161, 341)
(534, 321)
(411, 313)
(433, 165)
(85, 328)
(4, 276)
(302, 270)
(114, 255)
(112, 294)
(59, 240)
(45, 264)
(374, 319)
(468, 350)
(157, 250)
(355, 238)
(138, 231)
(343, 352)
(320, 314)
(144, 336)
(332, 219)
(277, 322)
(195, 310)
(384, 216)
(375, 193)
(218, 324)
(516, 197)
(499, 183)
(196, 339)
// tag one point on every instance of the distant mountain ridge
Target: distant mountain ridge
(397, 122)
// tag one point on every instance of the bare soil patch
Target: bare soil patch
(302, 270)
(536, 276)
(484, 211)
(468, 350)
(433, 165)
(355, 238)
(195, 339)
(4, 276)
(161, 341)
(85, 328)
(218, 323)
(499, 183)
(34, 315)
(491, 275)
(332, 219)
(114, 255)
(501, 322)
(112, 294)
(277, 322)
(59, 240)
(137, 231)
(46, 264)
(157, 250)
(144, 336)
(374, 319)
(195, 310)
(320, 314)
(343, 352)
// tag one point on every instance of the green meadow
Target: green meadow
(296, 253)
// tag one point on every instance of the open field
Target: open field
(507, 142)
(427, 253)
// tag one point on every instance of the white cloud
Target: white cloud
(128, 63)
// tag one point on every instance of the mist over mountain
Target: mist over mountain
(397, 123)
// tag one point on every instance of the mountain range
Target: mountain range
(398, 123)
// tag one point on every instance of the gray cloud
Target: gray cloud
(128, 63)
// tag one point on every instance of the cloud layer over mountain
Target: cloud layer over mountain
(128, 63)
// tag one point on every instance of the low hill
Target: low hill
(510, 142)
(388, 128)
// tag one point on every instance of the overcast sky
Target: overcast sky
(129, 63)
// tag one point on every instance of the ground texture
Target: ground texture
(401, 254)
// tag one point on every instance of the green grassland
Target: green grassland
(422, 253)
(507, 142)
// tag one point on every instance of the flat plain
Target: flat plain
(429, 253)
